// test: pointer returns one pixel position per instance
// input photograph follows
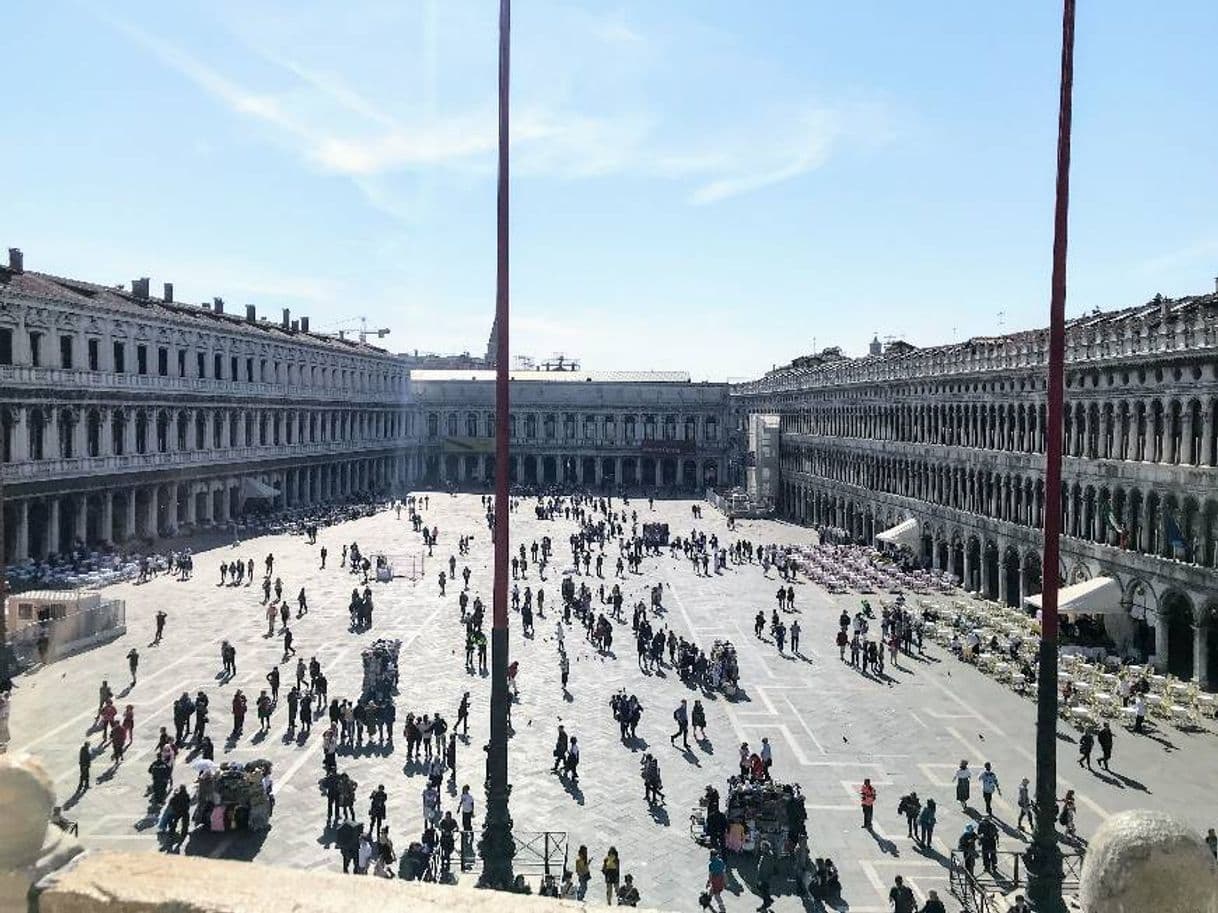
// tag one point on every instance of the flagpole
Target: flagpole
(497, 845)
(1044, 856)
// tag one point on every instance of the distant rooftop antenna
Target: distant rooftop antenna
(560, 362)
(1001, 320)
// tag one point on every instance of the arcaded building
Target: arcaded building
(948, 442)
(599, 429)
(128, 416)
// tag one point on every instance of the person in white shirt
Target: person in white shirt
(365, 854)
(467, 809)
(989, 785)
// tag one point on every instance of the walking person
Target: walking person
(85, 758)
(681, 716)
(716, 879)
(611, 868)
(926, 824)
(989, 785)
(1085, 744)
(963, 777)
(1025, 803)
(583, 872)
(901, 897)
(911, 807)
(1104, 737)
(767, 864)
(867, 799)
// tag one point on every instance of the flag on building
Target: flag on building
(1174, 537)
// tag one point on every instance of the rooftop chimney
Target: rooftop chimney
(168, 296)
(19, 259)
(16, 260)
(295, 326)
(217, 305)
(304, 323)
(205, 306)
(1165, 309)
(139, 288)
(342, 334)
(287, 318)
(251, 313)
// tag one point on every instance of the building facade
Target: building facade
(954, 437)
(650, 430)
(125, 416)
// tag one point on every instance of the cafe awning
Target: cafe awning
(906, 533)
(252, 488)
(1098, 596)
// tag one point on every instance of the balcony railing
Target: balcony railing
(115, 382)
(34, 470)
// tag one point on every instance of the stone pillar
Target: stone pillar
(190, 503)
(968, 568)
(130, 530)
(152, 526)
(21, 434)
(107, 516)
(1207, 438)
(51, 543)
(21, 532)
(1161, 635)
(82, 518)
(617, 469)
(80, 438)
(1201, 655)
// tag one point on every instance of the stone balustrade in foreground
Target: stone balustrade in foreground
(1138, 862)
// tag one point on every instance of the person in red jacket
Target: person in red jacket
(867, 798)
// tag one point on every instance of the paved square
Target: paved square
(829, 726)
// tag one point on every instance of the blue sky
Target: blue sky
(705, 185)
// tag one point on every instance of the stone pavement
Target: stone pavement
(829, 726)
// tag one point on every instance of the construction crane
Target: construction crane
(339, 329)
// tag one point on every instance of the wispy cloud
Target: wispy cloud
(1204, 249)
(807, 150)
(369, 143)
(236, 97)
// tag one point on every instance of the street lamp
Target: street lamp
(497, 846)
(1044, 857)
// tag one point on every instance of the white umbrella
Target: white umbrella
(203, 765)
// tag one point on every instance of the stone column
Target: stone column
(152, 525)
(968, 568)
(617, 469)
(82, 518)
(1161, 635)
(130, 530)
(51, 543)
(107, 516)
(1200, 656)
(190, 503)
(21, 532)
(80, 437)
(1207, 437)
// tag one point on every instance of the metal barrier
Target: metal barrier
(540, 853)
(979, 891)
